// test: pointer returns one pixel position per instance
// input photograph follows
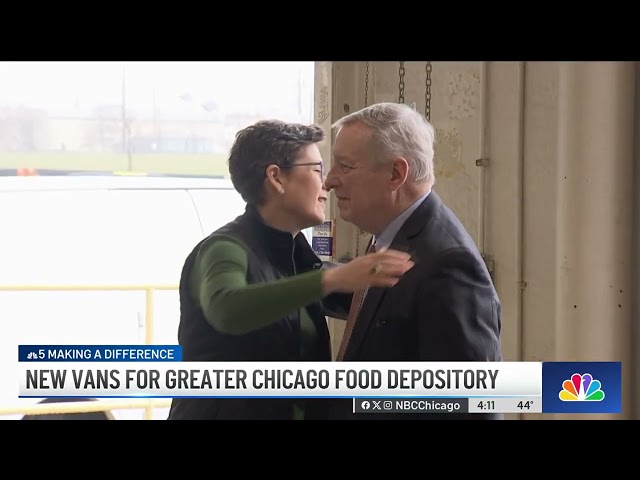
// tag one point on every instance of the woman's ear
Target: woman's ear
(274, 179)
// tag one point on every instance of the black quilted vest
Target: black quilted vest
(272, 254)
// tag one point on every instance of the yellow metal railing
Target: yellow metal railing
(89, 406)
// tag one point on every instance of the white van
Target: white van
(104, 230)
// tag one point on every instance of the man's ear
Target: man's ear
(273, 179)
(399, 172)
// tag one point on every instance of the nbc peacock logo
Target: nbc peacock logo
(581, 388)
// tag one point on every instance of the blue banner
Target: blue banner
(99, 353)
(581, 387)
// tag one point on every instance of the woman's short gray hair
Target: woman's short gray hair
(397, 130)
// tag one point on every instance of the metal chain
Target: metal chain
(401, 84)
(427, 112)
(427, 92)
(366, 86)
(359, 232)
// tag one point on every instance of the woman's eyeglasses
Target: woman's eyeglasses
(317, 164)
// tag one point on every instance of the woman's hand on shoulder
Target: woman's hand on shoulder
(380, 269)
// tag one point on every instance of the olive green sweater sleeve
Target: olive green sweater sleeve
(229, 303)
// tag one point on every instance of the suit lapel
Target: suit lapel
(402, 241)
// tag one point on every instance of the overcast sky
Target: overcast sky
(228, 86)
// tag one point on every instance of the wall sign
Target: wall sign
(322, 239)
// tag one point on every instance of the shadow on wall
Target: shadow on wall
(70, 416)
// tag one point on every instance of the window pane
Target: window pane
(217, 207)
(170, 118)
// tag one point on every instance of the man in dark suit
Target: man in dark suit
(445, 308)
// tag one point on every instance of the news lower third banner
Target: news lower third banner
(157, 371)
(99, 353)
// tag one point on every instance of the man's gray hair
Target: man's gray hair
(397, 130)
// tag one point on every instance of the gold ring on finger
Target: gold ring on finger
(375, 269)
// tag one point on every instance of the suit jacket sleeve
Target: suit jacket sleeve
(459, 311)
